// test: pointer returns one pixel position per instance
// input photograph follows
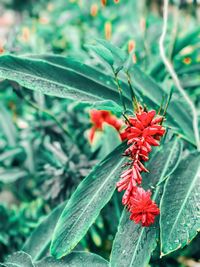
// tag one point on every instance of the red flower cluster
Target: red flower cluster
(142, 132)
(98, 117)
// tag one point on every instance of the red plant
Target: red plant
(142, 208)
(98, 117)
(142, 132)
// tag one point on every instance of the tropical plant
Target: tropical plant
(131, 111)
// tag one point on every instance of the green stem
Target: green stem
(119, 89)
(133, 96)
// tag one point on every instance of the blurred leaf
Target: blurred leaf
(21, 259)
(179, 219)
(118, 54)
(39, 241)
(103, 53)
(133, 243)
(85, 204)
(75, 259)
(108, 105)
(11, 153)
(180, 43)
(12, 175)
(8, 265)
(7, 126)
(108, 141)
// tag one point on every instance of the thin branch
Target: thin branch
(133, 96)
(174, 76)
(119, 89)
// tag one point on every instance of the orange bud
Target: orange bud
(50, 7)
(108, 30)
(187, 60)
(103, 2)
(143, 24)
(44, 20)
(116, 1)
(131, 45)
(2, 50)
(25, 34)
(134, 59)
(94, 10)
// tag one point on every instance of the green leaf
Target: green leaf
(11, 153)
(65, 77)
(12, 175)
(8, 265)
(102, 53)
(108, 105)
(60, 76)
(179, 219)
(75, 259)
(108, 141)
(133, 243)
(7, 126)
(20, 258)
(39, 241)
(118, 54)
(85, 204)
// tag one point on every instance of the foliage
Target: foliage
(59, 205)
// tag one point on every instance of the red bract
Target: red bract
(98, 117)
(143, 210)
(142, 132)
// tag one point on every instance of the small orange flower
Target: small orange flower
(25, 34)
(103, 2)
(94, 10)
(131, 45)
(2, 50)
(108, 30)
(98, 117)
(187, 60)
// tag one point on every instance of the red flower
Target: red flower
(142, 132)
(98, 117)
(143, 209)
(130, 179)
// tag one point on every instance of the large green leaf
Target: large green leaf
(39, 241)
(20, 258)
(85, 204)
(180, 220)
(108, 140)
(59, 76)
(134, 244)
(74, 259)
(66, 77)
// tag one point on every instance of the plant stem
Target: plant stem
(119, 89)
(174, 76)
(133, 96)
